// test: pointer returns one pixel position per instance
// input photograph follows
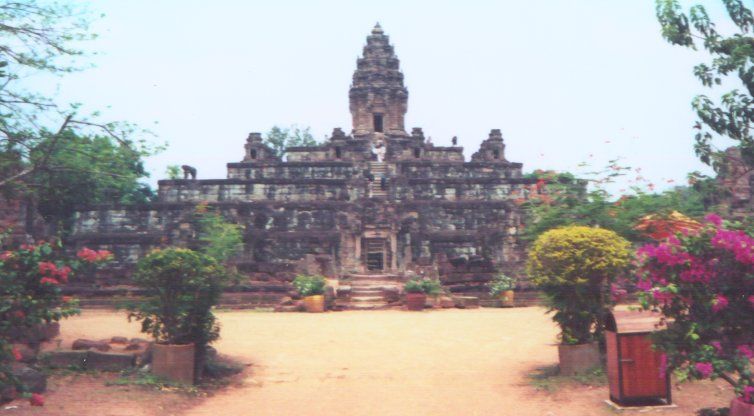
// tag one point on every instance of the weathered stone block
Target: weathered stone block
(466, 302)
(34, 381)
(109, 361)
(85, 344)
(65, 358)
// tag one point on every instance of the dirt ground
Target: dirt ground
(440, 362)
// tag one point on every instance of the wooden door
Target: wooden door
(640, 368)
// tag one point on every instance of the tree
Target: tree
(560, 199)
(217, 237)
(730, 56)
(85, 170)
(39, 37)
(281, 138)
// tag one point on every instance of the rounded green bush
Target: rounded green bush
(573, 266)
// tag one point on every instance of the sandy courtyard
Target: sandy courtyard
(440, 362)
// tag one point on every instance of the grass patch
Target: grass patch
(548, 378)
(218, 373)
(146, 379)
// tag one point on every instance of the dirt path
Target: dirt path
(443, 362)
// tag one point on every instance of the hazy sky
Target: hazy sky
(566, 81)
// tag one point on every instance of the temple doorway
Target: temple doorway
(375, 254)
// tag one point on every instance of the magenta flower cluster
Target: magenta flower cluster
(703, 280)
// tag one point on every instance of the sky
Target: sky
(567, 82)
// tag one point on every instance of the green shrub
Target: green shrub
(426, 286)
(500, 283)
(573, 266)
(309, 285)
(183, 287)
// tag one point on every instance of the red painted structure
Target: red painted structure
(634, 368)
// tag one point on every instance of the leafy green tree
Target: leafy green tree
(173, 172)
(281, 138)
(36, 38)
(85, 170)
(217, 237)
(730, 56)
(568, 203)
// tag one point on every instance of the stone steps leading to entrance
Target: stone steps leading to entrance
(368, 290)
(377, 169)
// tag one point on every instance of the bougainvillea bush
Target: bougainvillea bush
(30, 294)
(704, 282)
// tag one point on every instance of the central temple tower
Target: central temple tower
(378, 98)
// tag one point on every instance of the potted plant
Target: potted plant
(183, 286)
(502, 287)
(312, 289)
(417, 291)
(573, 267)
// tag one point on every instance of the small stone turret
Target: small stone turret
(492, 149)
(378, 98)
(256, 150)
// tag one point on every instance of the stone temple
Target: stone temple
(379, 201)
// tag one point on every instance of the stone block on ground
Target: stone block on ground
(447, 302)
(34, 381)
(64, 358)
(85, 344)
(119, 340)
(109, 361)
(466, 302)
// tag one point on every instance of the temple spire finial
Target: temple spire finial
(377, 29)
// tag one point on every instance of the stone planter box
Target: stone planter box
(575, 359)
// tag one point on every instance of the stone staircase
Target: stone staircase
(370, 291)
(378, 170)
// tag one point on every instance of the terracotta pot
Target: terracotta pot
(174, 362)
(415, 301)
(739, 408)
(507, 298)
(314, 303)
(575, 359)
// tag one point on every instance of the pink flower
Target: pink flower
(87, 255)
(644, 285)
(49, 280)
(47, 268)
(5, 255)
(62, 273)
(103, 255)
(714, 219)
(720, 303)
(746, 351)
(717, 346)
(19, 314)
(704, 369)
(17, 354)
(37, 399)
(748, 394)
(751, 300)
(92, 256)
(662, 297)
